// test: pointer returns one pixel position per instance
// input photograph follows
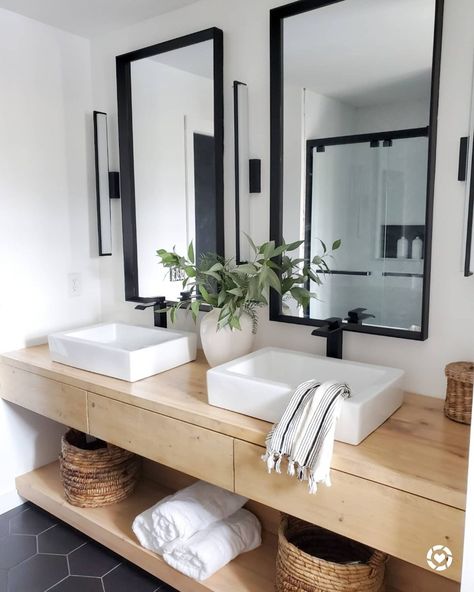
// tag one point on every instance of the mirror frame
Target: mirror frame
(127, 168)
(277, 17)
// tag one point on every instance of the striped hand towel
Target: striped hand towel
(305, 433)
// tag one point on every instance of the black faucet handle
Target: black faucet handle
(334, 323)
(144, 306)
(159, 302)
(327, 325)
(356, 315)
(160, 307)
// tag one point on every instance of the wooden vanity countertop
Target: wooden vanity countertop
(417, 450)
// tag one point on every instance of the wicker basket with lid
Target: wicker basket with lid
(458, 405)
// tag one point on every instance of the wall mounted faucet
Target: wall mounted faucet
(357, 315)
(332, 329)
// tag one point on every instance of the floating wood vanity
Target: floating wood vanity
(402, 490)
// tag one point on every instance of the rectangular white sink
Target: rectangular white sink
(261, 384)
(123, 351)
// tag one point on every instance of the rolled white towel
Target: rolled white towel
(143, 528)
(209, 550)
(191, 509)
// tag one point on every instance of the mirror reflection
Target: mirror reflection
(173, 146)
(356, 129)
(170, 99)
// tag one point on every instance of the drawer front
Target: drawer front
(61, 402)
(193, 450)
(398, 523)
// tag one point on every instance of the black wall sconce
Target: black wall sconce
(107, 183)
(466, 174)
(255, 175)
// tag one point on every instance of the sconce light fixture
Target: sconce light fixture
(247, 171)
(255, 175)
(107, 183)
(466, 174)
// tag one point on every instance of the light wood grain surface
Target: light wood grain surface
(385, 518)
(45, 396)
(198, 452)
(400, 576)
(251, 572)
(405, 577)
(417, 450)
(111, 526)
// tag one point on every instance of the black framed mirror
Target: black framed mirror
(171, 139)
(354, 102)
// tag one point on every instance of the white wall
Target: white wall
(392, 116)
(245, 26)
(307, 115)
(293, 149)
(47, 224)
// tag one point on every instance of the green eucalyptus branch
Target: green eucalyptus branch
(242, 289)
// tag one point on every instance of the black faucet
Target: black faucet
(159, 305)
(357, 315)
(331, 329)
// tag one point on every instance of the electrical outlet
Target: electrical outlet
(74, 284)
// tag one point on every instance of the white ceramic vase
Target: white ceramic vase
(225, 344)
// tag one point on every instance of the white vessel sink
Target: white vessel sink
(261, 384)
(123, 351)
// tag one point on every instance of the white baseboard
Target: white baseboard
(10, 500)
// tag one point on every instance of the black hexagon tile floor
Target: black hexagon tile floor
(38, 553)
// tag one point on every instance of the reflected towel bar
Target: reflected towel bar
(343, 272)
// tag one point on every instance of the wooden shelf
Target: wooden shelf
(111, 526)
(251, 572)
(432, 451)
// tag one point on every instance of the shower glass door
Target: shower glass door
(370, 192)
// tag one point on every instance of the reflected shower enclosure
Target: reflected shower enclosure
(369, 189)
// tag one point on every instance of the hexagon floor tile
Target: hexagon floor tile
(16, 548)
(39, 553)
(4, 527)
(3, 580)
(60, 539)
(79, 584)
(91, 560)
(37, 574)
(31, 521)
(125, 578)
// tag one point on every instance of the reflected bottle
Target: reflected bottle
(402, 247)
(417, 248)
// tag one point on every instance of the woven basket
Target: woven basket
(96, 474)
(458, 405)
(311, 559)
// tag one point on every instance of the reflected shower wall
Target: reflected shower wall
(369, 191)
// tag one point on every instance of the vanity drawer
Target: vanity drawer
(61, 402)
(401, 524)
(193, 450)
